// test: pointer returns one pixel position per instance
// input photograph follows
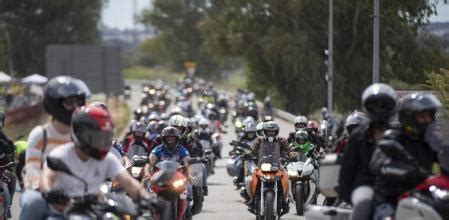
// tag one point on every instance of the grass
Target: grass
(155, 73)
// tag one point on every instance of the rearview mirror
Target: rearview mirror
(57, 164)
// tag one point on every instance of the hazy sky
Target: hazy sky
(118, 13)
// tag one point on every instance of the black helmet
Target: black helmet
(58, 90)
(379, 102)
(268, 127)
(170, 132)
(415, 103)
(92, 131)
(161, 125)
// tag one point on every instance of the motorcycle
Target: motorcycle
(210, 156)
(303, 183)
(137, 149)
(110, 206)
(268, 188)
(5, 195)
(198, 184)
(170, 185)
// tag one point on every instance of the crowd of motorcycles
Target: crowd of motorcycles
(308, 179)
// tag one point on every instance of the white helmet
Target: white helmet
(179, 122)
(259, 129)
(300, 122)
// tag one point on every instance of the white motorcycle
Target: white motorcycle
(302, 180)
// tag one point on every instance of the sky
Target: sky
(119, 13)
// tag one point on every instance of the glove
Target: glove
(56, 196)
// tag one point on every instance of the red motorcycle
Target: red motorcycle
(170, 185)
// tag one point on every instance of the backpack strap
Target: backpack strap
(44, 147)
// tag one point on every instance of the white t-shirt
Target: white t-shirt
(92, 170)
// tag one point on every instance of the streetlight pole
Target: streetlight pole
(376, 42)
(330, 69)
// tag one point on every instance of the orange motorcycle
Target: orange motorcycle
(269, 186)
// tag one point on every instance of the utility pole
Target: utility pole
(330, 68)
(376, 42)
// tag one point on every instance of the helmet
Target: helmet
(99, 104)
(301, 134)
(324, 113)
(92, 131)
(161, 125)
(267, 118)
(190, 125)
(178, 122)
(249, 120)
(259, 129)
(300, 122)
(139, 127)
(176, 111)
(271, 130)
(413, 104)
(212, 115)
(379, 101)
(153, 117)
(170, 132)
(313, 126)
(354, 120)
(60, 90)
(203, 124)
(249, 127)
(165, 116)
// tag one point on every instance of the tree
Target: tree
(179, 39)
(282, 42)
(35, 24)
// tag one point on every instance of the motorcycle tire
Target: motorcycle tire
(299, 199)
(269, 201)
(198, 199)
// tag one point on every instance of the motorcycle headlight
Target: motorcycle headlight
(238, 124)
(152, 91)
(222, 111)
(441, 194)
(292, 173)
(265, 167)
(104, 188)
(179, 183)
(135, 171)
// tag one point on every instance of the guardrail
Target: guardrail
(286, 116)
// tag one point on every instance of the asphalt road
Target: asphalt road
(224, 201)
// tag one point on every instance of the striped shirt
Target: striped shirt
(34, 156)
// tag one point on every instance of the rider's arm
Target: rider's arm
(47, 180)
(132, 187)
(185, 160)
(286, 149)
(256, 146)
(153, 160)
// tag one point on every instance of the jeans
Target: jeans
(34, 206)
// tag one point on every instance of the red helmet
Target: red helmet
(312, 125)
(92, 131)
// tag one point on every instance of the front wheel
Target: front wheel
(269, 205)
(198, 198)
(299, 199)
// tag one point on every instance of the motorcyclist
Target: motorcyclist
(267, 106)
(300, 124)
(88, 157)
(117, 147)
(62, 96)
(417, 111)
(353, 121)
(302, 145)
(160, 127)
(315, 138)
(138, 137)
(356, 181)
(153, 120)
(7, 153)
(273, 145)
(246, 141)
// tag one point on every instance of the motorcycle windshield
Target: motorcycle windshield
(168, 165)
(437, 136)
(269, 152)
(137, 150)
